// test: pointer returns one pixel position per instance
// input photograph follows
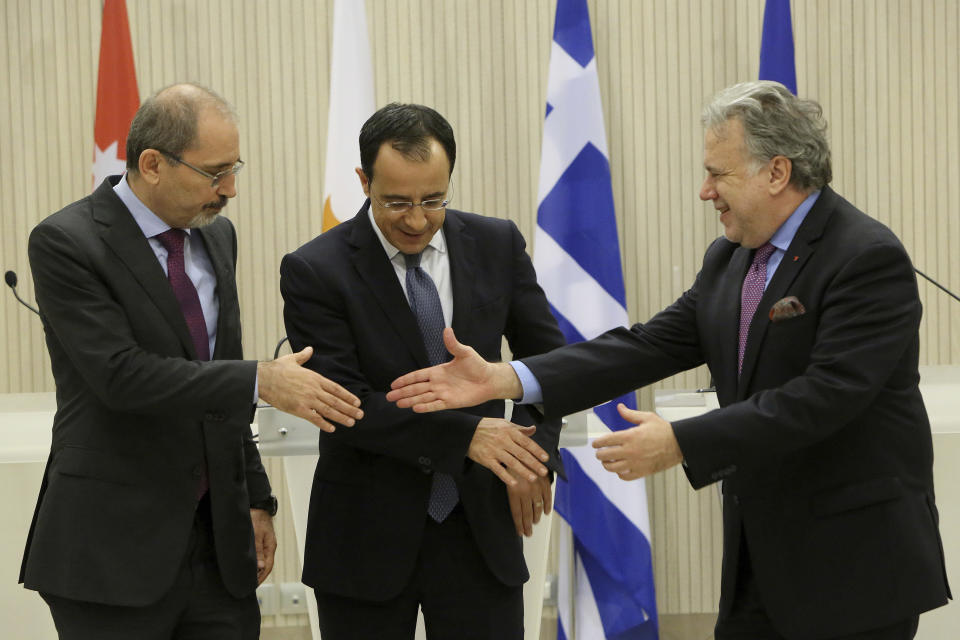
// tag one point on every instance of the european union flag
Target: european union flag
(776, 45)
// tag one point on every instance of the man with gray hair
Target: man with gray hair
(807, 315)
(154, 514)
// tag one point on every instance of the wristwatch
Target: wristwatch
(269, 505)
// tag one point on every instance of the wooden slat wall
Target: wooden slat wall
(886, 71)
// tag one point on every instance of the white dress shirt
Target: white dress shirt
(435, 261)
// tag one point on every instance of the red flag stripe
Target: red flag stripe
(117, 95)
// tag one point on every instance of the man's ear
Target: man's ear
(149, 165)
(781, 168)
(364, 181)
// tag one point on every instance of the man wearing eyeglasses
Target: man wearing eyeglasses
(154, 515)
(413, 511)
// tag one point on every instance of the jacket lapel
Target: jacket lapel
(794, 259)
(728, 317)
(221, 251)
(461, 249)
(377, 273)
(125, 238)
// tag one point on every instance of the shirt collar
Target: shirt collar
(784, 235)
(438, 242)
(147, 220)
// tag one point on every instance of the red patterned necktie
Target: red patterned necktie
(186, 293)
(189, 300)
(750, 294)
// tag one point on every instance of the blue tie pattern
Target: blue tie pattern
(425, 304)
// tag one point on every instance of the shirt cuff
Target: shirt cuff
(256, 388)
(532, 393)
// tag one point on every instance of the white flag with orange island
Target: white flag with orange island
(351, 103)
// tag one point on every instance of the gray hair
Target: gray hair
(167, 120)
(776, 123)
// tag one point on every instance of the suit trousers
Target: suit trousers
(748, 620)
(461, 599)
(197, 606)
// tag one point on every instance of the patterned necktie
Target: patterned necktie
(425, 304)
(750, 294)
(186, 294)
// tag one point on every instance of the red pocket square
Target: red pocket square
(786, 308)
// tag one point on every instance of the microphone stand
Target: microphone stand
(937, 284)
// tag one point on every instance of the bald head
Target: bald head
(167, 120)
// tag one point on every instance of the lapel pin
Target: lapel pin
(795, 258)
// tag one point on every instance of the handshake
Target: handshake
(468, 380)
(501, 446)
(504, 448)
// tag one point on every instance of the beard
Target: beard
(209, 213)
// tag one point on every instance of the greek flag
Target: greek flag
(577, 257)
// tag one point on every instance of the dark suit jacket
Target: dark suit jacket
(369, 500)
(136, 414)
(823, 442)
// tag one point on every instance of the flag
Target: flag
(117, 95)
(351, 103)
(577, 258)
(776, 45)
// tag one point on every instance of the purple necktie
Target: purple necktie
(425, 303)
(186, 294)
(750, 294)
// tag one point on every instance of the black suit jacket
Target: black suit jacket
(369, 499)
(136, 414)
(823, 442)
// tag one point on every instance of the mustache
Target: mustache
(216, 206)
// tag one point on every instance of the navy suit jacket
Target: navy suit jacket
(369, 500)
(136, 414)
(823, 441)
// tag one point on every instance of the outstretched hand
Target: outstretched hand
(292, 388)
(465, 381)
(641, 450)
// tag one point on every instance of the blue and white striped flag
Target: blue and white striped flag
(577, 257)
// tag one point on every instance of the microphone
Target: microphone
(928, 278)
(276, 352)
(10, 277)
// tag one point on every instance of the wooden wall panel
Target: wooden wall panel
(886, 71)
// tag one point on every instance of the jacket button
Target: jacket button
(197, 471)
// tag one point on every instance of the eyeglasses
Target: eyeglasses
(215, 178)
(434, 204)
